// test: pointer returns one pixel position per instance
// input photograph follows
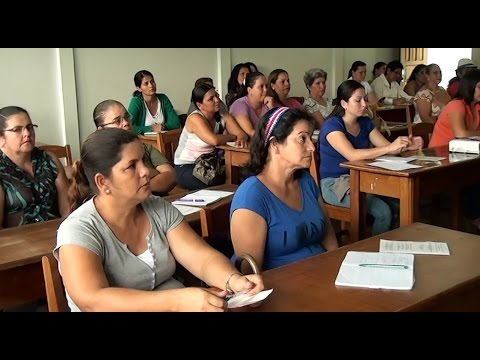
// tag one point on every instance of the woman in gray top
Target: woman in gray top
(120, 242)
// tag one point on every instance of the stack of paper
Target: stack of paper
(377, 270)
(202, 197)
(186, 210)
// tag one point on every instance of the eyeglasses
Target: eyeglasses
(118, 120)
(19, 129)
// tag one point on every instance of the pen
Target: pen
(192, 200)
(385, 266)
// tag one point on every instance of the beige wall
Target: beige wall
(30, 78)
(102, 74)
(60, 87)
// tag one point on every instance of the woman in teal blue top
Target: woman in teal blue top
(33, 184)
(151, 111)
(281, 201)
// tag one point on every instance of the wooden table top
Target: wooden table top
(27, 244)
(451, 159)
(441, 282)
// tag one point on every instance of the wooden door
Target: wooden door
(411, 57)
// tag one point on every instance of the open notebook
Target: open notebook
(377, 270)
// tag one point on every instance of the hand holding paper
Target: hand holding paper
(242, 299)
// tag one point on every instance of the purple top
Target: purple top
(242, 107)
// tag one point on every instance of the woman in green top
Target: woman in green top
(151, 111)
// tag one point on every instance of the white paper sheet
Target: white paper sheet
(241, 299)
(394, 165)
(414, 247)
(186, 210)
(202, 197)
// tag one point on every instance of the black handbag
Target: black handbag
(210, 168)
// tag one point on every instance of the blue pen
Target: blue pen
(385, 266)
(192, 200)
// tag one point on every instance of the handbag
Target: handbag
(210, 168)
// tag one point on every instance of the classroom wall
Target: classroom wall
(29, 79)
(102, 74)
(61, 86)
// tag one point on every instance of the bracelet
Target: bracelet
(227, 283)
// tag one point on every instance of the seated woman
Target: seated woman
(236, 83)
(151, 111)
(248, 110)
(278, 88)
(378, 69)
(347, 135)
(162, 177)
(118, 249)
(206, 80)
(431, 98)
(460, 118)
(281, 200)
(316, 82)
(252, 66)
(34, 186)
(417, 79)
(204, 129)
(358, 72)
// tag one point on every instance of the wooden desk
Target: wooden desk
(22, 248)
(234, 158)
(166, 142)
(424, 130)
(442, 283)
(396, 113)
(448, 175)
(21, 251)
(194, 219)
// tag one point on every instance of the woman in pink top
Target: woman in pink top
(460, 117)
(248, 110)
(278, 88)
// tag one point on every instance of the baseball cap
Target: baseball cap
(465, 63)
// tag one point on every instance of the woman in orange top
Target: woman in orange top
(461, 117)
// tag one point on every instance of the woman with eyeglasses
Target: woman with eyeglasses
(204, 129)
(34, 186)
(151, 111)
(111, 113)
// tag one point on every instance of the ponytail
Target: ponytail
(79, 190)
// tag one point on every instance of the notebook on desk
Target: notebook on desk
(376, 270)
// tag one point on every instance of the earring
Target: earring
(108, 192)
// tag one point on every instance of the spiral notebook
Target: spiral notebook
(377, 270)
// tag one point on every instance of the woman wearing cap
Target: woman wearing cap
(464, 66)
(280, 200)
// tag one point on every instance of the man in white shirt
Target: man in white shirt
(387, 86)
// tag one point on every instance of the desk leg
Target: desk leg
(228, 167)
(409, 201)
(358, 207)
(456, 210)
